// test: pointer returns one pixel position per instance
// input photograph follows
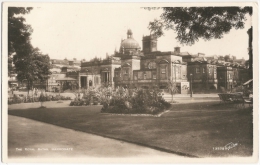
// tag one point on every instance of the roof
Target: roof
(184, 53)
(130, 42)
(249, 81)
(66, 79)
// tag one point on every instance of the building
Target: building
(132, 67)
(97, 72)
(64, 75)
(225, 77)
(203, 76)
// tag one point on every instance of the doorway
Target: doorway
(83, 81)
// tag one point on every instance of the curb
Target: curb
(135, 114)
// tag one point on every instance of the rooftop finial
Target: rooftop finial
(129, 33)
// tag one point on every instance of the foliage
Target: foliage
(18, 32)
(30, 63)
(192, 23)
(29, 99)
(77, 103)
(172, 87)
(33, 67)
(140, 101)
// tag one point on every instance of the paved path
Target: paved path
(31, 139)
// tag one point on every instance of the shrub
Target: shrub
(17, 99)
(71, 103)
(135, 101)
(77, 103)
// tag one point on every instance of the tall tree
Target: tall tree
(33, 67)
(194, 23)
(18, 33)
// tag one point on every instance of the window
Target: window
(152, 65)
(135, 76)
(140, 75)
(178, 72)
(163, 70)
(203, 70)
(116, 74)
(154, 75)
(197, 70)
(148, 74)
(144, 76)
(126, 71)
(230, 76)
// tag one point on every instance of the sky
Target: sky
(85, 31)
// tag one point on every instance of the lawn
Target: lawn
(187, 129)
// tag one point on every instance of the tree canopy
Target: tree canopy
(34, 67)
(193, 23)
(30, 64)
(18, 32)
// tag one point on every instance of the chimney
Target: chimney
(177, 49)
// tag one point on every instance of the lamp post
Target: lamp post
(191, 85)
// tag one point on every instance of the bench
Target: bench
(235, 98)
(225, 98)
(239, 100)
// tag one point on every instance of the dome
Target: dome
(130, 42)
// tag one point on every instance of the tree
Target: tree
(194, 23)
(18, 33)
(227, 58)
(33, 67)
(172, 88)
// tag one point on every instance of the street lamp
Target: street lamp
(191, 85)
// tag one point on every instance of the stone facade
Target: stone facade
(132, 67)
(203, 76)
(98, 72)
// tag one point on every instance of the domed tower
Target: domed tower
(129, 45)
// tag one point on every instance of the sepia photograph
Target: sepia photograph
(130, 83)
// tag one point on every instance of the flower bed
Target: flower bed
(136, 101)
(123, 101)
(16, 99)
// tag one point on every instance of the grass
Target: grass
(191, 129)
